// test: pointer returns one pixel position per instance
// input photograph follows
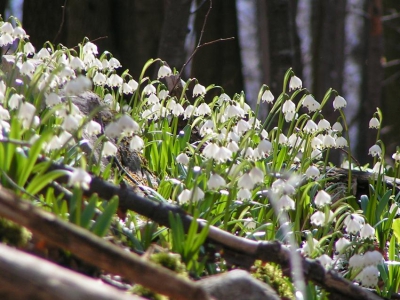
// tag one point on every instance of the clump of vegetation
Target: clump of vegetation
(13, 234)
(272, 274)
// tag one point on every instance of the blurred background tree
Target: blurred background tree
(352, 46)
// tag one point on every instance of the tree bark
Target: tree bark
(372, 79)
(218, 63)
(280, 45)
(24, 276)
(172, 42)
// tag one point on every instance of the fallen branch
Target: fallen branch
(24, 276)
(241, 251)
(95, 250)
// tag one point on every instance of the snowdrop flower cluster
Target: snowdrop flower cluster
(367, 263)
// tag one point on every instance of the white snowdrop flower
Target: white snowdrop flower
(53, 144)
(103, 65)
(233, 136)
(114, 63)
(282, 139)
(133, 84)
(92, 128)
(244, 194)
(288, 106)
(80, 178)
(136, 143)
(215, 182)
(393, 207)
(14, 101)
(264, 134)
(189, 111)
(281, 186)
(316, 154)
(223, 98)
(324, 124)
(27, 68)
(6, 28)
(246, 107)
(126, 89)
(164, 71)
(318, 218)
(295, 83)
(267, 97)
(149, 89)
(264, 146)
(223, 154)
(248, 153)
(373, 258)
(378, 168)
(115, 80)
(354, 223)
(329, 141)
(285, 203)
(99, 79)
(66, 137)
(19, 32)
(26, 111)
(6, 39)
(290, 116)
(194, 195)
(310, 126)
(246, 182)
(337, 127)
(356, 261)
(109, 149)
(52, 99)
(153, 99)
(203, 110)
(375, 150)
(316, 143)
(113, 130)
(396, 157)
(78, 85)
(341, 142)
(308, 247)
(312, 104)
(294, 140)
(43, 54)
(312, 172)
(199, 90)
(76, 63)
(210, 150)
(34, 123)
(70, 123)
(128, 125)
(4, 126)
(182, 159)
(89, 47)
(90, 61)
(233, 146)
(29, 49)
(249, 224)
(234, 111)
(66, 73)
(207, 128)
(177, 110)
(325, 260)
(369, 276)
(163, 94)
(257, 175)
(242, 126)
(341, 244)
(254, 122)
(4, 114)
(374, 123)
(339, 103)
(322, 198)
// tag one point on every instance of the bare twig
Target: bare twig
(62, 21)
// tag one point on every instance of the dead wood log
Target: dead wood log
(97, 251)
(24, 276)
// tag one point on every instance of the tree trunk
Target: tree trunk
(218, 63)
(372, 79)
(172, 42)
(279, 42)
(42, 21)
